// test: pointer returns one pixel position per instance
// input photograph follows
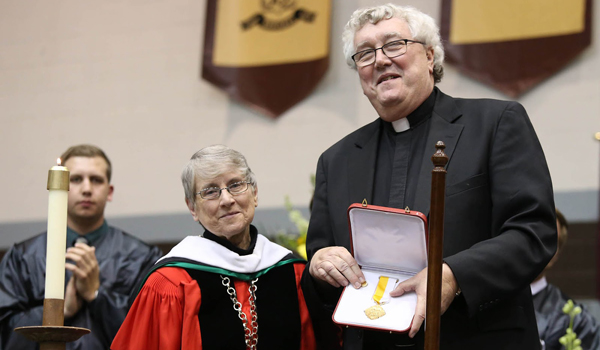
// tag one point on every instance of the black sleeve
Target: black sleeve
(21, 299)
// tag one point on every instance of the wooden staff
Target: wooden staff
(435, 250)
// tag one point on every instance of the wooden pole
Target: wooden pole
(435, 249)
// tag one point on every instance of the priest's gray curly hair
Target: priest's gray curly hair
(422, 27)
(211, 162)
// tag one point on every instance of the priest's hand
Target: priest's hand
(336, 266)
(72, 301)
(85, 270)
(418, 284)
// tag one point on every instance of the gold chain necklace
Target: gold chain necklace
(250, 333)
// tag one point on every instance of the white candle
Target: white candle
(58, 187)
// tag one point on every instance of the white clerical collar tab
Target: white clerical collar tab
(401, 125)
(538, 285)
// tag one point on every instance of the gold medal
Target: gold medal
(381, 297)
(375, 312)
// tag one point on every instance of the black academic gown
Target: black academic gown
(552, 322)
(123, 260)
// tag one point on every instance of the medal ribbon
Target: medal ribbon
(384, 287)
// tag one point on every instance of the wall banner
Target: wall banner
(267, 54)
(512, 45)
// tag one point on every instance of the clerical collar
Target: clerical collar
(225, 243)
(538, 285)
(401, 125)
(88, 238)
(418, 116)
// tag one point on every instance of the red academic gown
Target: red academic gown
(167, 312)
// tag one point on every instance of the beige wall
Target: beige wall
(124, 75)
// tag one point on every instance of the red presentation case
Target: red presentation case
(385, 242)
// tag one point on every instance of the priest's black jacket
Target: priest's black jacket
(499, 227)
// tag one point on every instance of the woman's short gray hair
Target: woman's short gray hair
(211, 162)
(422, 27)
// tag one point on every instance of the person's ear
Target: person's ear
(192, 208)
(255, 195)
(430, 56)
(111, 189)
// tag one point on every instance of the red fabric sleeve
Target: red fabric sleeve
(164, 315)
(307, 340)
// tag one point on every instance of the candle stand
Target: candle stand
(52, 334)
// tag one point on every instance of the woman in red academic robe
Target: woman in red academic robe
(230, 288)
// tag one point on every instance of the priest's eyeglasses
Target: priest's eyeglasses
(392, 49)
(215, 192)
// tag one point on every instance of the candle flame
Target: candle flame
(58, 161)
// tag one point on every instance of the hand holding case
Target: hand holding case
(385, 242)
